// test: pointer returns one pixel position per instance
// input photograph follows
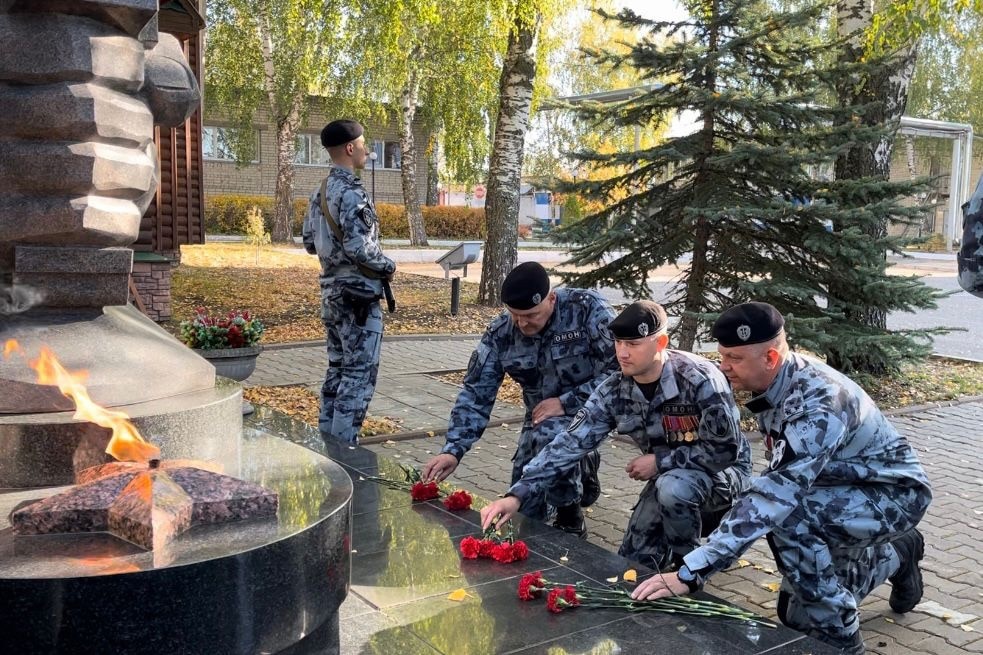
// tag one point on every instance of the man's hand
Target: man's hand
(503, 509)
(660, 585)
(642, 467)
(439, 467)
(546, 409)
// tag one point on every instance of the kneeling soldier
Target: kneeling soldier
(839, 501)
(679, 410)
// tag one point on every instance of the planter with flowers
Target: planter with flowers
(230, 342)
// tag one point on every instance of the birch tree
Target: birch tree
(270, 56)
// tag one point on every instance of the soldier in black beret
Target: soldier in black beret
(678, 408)
(341, 227)
(838, 501)
(556, 345)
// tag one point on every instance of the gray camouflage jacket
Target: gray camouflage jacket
(567, 360)
(355, 214)
(821, 430)
(970, 257)
(692, 422)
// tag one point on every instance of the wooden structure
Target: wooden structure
(175, 216)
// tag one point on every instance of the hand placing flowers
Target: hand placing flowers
(504, 550)
(420, 490)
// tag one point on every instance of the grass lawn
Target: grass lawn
(281, 288)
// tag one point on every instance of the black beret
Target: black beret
(338, 133)
(638, 320)
(751, 322)
(525, 286)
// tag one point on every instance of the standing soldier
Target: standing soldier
(838, 502)
(556, 346)
(679, 410)
(342, 229)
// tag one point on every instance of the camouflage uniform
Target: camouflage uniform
(353, 350)
(971, 253)
(567, 360)
(840, 486)
(691, 425)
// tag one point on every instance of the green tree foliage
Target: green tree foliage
(270, 56)
(744, 198)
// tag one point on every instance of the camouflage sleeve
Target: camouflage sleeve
(719, 432)
(469, 416)
(799, 455)
(602, 356)
(589, 427)
(357, 219)
(310, 221)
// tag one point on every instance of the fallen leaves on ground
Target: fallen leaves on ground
(287, 300)
(301, 403)
(509, 392)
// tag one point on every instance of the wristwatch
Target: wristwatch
(692, 580)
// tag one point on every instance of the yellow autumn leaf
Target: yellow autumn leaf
(967, 628)
(771, 586)
(889, 619)
(458, 595)
(741, 563)
(631, 575)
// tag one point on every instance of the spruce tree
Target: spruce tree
(747, 195)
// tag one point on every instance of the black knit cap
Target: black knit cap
(526, 286)
(338, 133)
(746, 324)
(638, 320)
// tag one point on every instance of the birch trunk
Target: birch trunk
(505, 169)
(433, 178)
(407, 144)
(890, 88)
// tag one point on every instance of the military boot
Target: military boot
(571, 519)
(590, 479)
(906, 583)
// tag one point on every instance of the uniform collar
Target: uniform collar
(338, 169)
(777, 390)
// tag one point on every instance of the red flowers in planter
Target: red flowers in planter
(492, 546)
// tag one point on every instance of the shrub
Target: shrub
(444, 222)
(229, 213)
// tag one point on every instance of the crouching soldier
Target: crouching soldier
(679, 410)
(556, 346)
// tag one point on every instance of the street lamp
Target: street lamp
(372, 157)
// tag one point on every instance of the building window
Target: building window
(215, 144)
(388, 154)
(310, 152)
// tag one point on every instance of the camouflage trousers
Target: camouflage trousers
(667, 521)
(834, 549)
(565, 490)
(353, 364)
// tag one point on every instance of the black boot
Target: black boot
(907, 581)
(571, 519)
(589, 478)
(852, 645)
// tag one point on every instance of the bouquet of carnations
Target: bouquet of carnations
(492, 545)
(419, 490)
(561, 596)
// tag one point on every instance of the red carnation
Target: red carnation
(485, 547)
(470, 548)
(569, 595)
(457, 501)
(530, 585)
(503, 553)
(520, 550)
(424, 491)
(554, 601)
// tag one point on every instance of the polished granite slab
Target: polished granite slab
(405, 563)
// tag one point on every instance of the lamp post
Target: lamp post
(372, 157)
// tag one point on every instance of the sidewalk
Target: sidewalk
(947, 621)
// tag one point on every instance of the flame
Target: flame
(11, 346)
(126, 443)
